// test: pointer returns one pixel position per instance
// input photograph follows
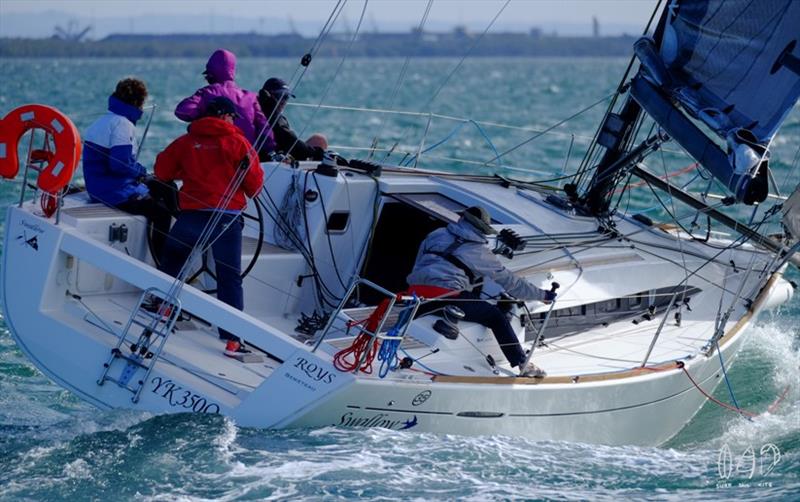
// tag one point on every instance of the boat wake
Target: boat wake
(58, 446)
(770, 374)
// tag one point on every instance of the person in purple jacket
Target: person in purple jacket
(220, 73)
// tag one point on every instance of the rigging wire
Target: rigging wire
(557, 124)
(679, 313)
(483, 123)
(453, 71)
(304, 246)
(465, 56)
(298, 74)
(330, 82)
(727, 380)
(448, 137)
(327, 232)
(401, 77)
(590, 157)
(711, 398)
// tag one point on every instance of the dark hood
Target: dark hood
(221, 66)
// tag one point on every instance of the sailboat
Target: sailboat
(648, 317)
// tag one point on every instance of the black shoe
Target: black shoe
(154, 305)
(151, 304)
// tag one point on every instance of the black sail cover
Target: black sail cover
(724, 68)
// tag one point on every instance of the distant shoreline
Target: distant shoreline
(370, 45)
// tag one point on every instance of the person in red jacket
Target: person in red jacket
(207, 160)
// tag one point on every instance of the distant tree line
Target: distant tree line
(368, 45)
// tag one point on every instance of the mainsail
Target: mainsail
(719, 77)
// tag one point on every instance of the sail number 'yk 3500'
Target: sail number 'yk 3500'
(178, 397)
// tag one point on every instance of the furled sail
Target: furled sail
(720, 76)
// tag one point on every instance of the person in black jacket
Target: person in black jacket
(273, 97)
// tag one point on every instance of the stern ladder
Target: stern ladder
(142, 354)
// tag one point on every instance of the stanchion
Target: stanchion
(553, 287)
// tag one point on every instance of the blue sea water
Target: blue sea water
(54, 446)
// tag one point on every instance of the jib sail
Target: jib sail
(720, 76)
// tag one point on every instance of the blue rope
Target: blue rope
(387, 354)
(438, 143)
(416, 361)
(728, 382)
(488, 141)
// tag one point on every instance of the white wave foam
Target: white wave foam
(225, 442)
(774, 342)
(378, 463)
(78, 469)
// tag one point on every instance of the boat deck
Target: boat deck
(195, 347)
(273, 298)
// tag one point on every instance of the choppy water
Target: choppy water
(53, 446)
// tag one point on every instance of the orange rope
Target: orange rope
(347, 360)
(774, 405)
(745, 413)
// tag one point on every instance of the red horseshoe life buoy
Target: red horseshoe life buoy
(58, 165)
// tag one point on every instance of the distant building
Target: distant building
(71, 32)
(595, 27)
(460, 31)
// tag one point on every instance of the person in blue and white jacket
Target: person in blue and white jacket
(112, 174)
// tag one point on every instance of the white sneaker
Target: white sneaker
(532, 371)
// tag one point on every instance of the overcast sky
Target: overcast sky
(564, 16)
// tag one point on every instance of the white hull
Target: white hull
(294, 387)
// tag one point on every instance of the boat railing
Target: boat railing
(36, 162)
(395, 334)
(558, 172)
(416, 148)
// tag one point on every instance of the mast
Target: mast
(616, 134)
(618, 130)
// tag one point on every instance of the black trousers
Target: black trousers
(158, 208)
(489, 315)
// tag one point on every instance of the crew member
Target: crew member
(212, 160)
(456, 259)
(220, 73)
(112, 174)
(272, 97)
